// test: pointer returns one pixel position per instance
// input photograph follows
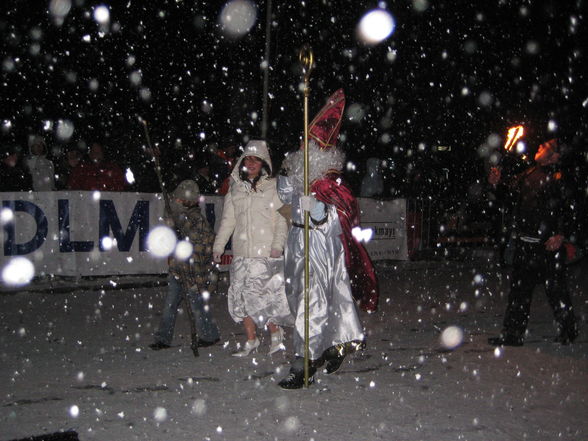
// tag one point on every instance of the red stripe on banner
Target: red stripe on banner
(226, 259)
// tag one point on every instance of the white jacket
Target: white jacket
(251, 217)
(42, 172)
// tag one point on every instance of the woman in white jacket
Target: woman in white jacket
(256, 293)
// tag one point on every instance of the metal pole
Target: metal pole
(265, 116)
(306, 59)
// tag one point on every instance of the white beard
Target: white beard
(319, 161)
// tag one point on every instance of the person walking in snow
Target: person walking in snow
(542, 224)
(40, 167)
(256, 294)
(340, 269)
(189, 276)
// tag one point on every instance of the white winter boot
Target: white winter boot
(249, 347)
(277, 341)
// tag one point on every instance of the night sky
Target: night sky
(453, 73)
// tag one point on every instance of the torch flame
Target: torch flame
(514, 134)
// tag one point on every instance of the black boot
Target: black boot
(194, 347)
(568, 327)
(158, 345)
(506, 340)
(567, 336)
(207, 343)
(334, 357)
(295, 379)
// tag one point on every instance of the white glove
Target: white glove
(318, 212)
(307, 203)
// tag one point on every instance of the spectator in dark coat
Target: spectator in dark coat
(203, 177)
(221, 166)
(14, 176)
(97, 173)
(65, 166)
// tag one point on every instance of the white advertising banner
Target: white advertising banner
(387, 220)
(82, 233)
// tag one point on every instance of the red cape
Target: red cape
(364, 285)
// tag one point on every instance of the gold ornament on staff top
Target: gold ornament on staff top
(306, 58)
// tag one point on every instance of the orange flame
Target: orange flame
(514, 134)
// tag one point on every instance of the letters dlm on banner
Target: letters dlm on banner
(93, 233)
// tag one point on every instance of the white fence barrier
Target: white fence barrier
(97, 234)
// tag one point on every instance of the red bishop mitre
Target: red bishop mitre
(324, 128)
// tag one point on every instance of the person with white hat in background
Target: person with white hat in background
(40, 167)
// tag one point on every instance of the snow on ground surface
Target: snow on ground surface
(77, 358)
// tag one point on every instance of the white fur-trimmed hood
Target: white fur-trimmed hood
(257, 148)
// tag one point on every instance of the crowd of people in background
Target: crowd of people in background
(459, 207)
(95, 166)
(72, 170)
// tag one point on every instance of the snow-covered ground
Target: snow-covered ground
(79, 360)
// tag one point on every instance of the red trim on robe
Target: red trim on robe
(364, 284)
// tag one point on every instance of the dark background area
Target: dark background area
(452, 74)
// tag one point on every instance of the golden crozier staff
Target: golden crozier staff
(306, 58)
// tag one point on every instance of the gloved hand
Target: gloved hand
(318, 212)
(307, 202)
(316, 209)
(216, 257)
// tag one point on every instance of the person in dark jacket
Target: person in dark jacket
(202, 176)
(14, 176)
(63, 169)
(542, 225)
